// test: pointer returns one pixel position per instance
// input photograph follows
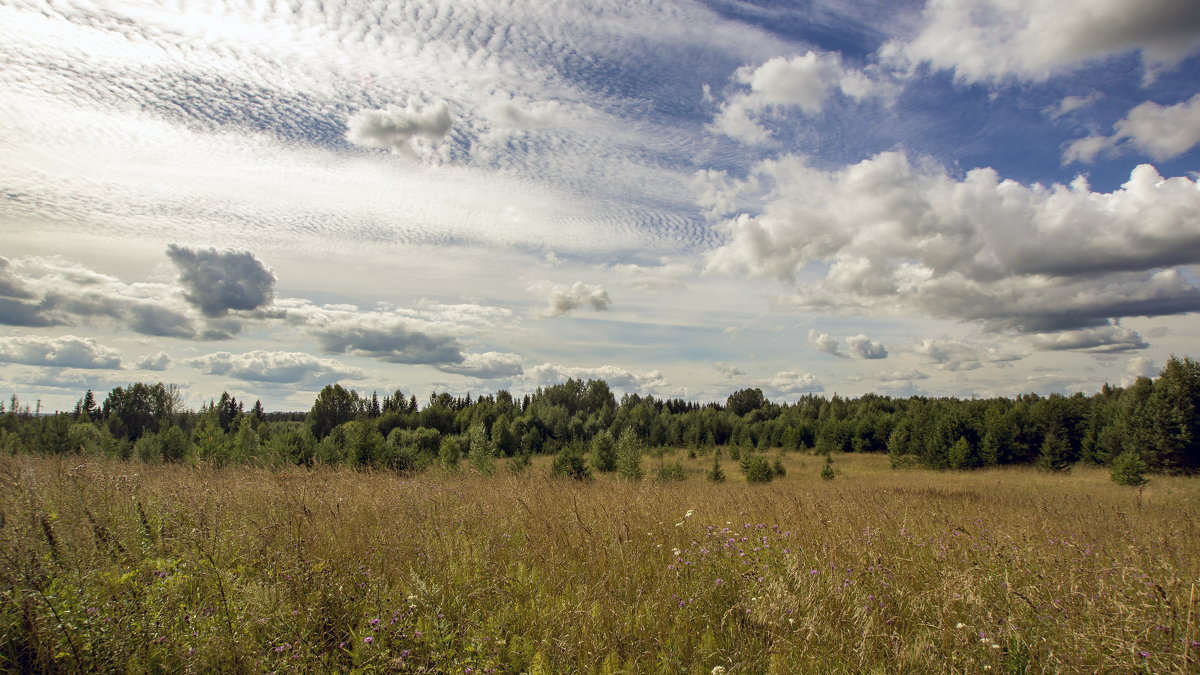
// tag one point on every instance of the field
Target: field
(125, 566)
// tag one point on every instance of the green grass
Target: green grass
(125, 566)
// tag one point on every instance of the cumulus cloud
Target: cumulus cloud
(804, 81)
(400, 130)
(1099, 340)
(217, 282)
(486, 366)
(277, 367)
(67, 351)
(10, 285)
(158, 361)
(989, 40)
(730, 371)
(903, 238)
(956, 355)
(564, 299)
(521, 114)
(826, 343)
(900, 375)
(793, 382)
(617, 377)
(393, 341)
(1163, 132)
(1138, 366)
(864, 347)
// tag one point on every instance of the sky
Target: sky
(684, 198)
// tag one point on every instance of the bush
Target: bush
(827, 473)
(757, 468)
(629, 455)
(604, 452)
(1128, 468)
(715, 474)
(671, 472)
(569, 463)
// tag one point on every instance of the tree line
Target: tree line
(1152, 425)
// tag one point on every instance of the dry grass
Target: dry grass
(121, 566)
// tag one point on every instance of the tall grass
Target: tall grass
(124, 566)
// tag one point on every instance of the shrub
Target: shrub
(569, 463)
(715, 474)
(629, 455)
(671, 472)
(827, 473)
(604, 452)
(1128, 468)
(757, 468)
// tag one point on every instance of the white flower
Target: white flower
(718, 670)
(690, 513)
(960, 625)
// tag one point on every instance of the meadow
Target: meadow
(114, 565)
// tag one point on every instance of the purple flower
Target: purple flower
(1144, 655)
(374, 622)
(720, 581)
(368, 640)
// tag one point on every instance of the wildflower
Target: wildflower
(718, 670)
(1144, 655)
(720, 581)
(960, 625)
(690, 513)
(374, 622)
(368, 640)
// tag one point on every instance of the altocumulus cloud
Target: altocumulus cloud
(217, 282)
(277, 367)
(158, 362)
(67, 351)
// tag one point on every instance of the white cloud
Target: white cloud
(401, 130)
(988, 40)
(864, 347)
(158, 361)
(805, 81)
(956, 355)
(792, 382)
(486, 366)
(730, 371)
(1138, 366)
(1070, 104)
(891, 237)
(1099, 340)
(617, 377)
(824, 342)
(274, 366)
(900, 375)
(1163, 132)
(67, 351)
(563, 299)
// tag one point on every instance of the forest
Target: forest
(1151, 426)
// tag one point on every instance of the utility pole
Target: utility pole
(39, 409)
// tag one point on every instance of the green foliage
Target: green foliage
(520, 462)
(629, 455)
(334, 406)
(757, 468)
(481, 451)
(827, 472)
(716, 474)
(450, 452)
(570, 463)
(604, 452)
(1129, 469)
(1056, 452)
(671, 472)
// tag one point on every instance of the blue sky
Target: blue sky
(958, 197)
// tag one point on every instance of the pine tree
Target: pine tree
(715, 474)
(629, 455)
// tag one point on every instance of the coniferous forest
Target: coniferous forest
(1151, 426)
